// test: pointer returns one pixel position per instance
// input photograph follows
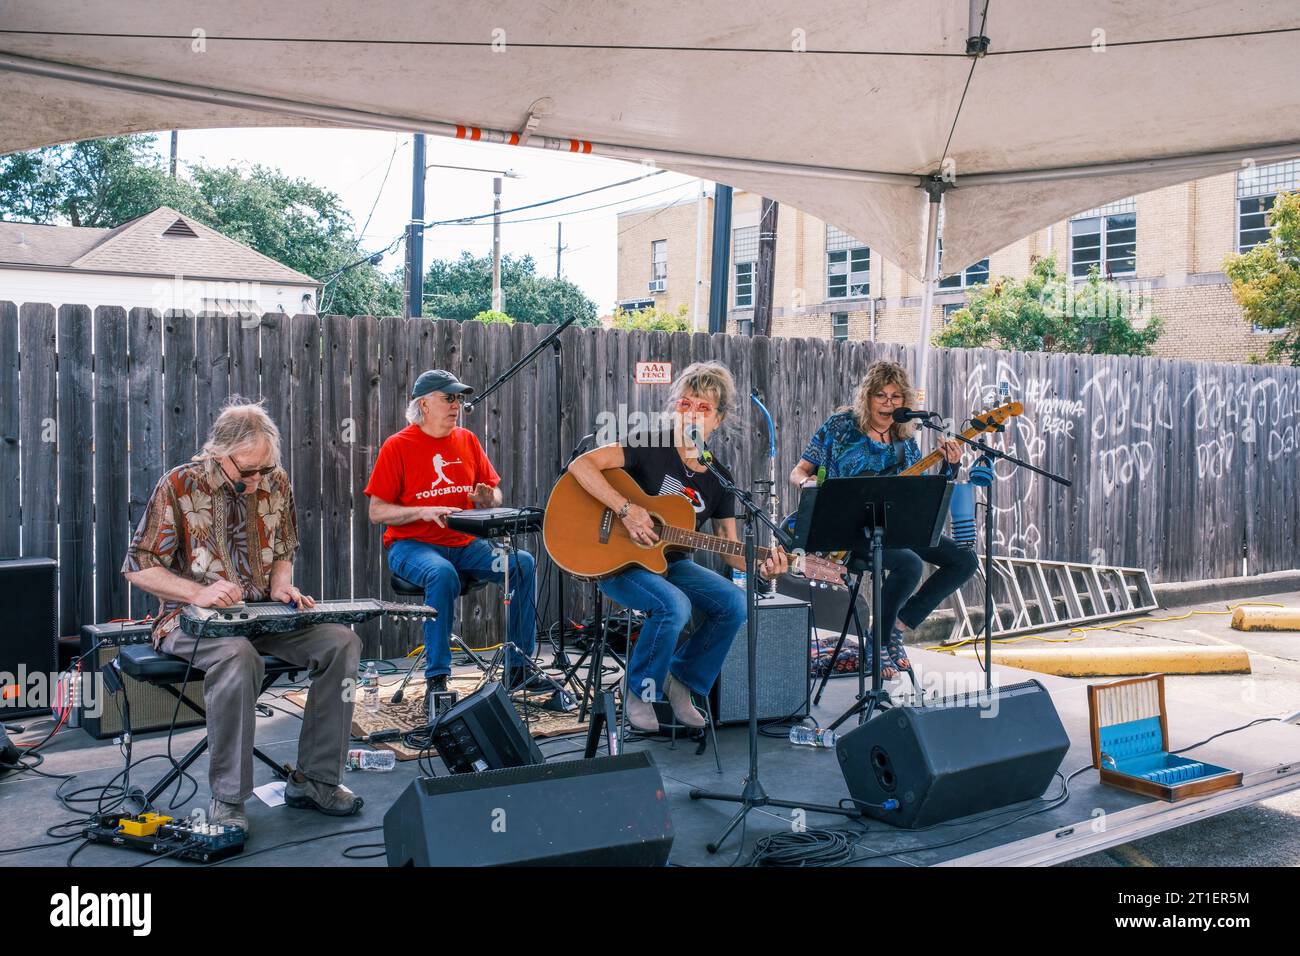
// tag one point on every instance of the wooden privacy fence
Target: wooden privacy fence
(1182, 468)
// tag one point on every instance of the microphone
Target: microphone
(693, 435)
(906, 415)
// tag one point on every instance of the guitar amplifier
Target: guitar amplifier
(783, 664)
(31, 635)
(151, 707)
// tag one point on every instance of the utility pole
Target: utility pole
(175, 142)
(496, 244)
(415, 233)
(720, 269)
(559, 246)
(765, 278)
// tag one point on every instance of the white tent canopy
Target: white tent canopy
(839, 108)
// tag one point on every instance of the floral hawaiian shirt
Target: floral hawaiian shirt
(197, 527)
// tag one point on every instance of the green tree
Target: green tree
(492, 318)
(98, 182)
(1266, 280)
(462, 288)
(653, 319)
(1047, 312)
(110, 181)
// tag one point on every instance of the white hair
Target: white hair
(415, 411)
(241, 424)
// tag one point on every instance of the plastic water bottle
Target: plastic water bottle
(738, 578)
(370, 688)
(380, 760)
(812, 737)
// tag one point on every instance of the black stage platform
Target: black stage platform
(1093, 818)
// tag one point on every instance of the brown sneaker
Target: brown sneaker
(303, 793)
(679, 695)
(221, 813)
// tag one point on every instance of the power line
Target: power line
(465, 220)
(643, 47)
(563, 215)
(383, 183)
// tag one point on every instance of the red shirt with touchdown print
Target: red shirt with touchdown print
(416, 470)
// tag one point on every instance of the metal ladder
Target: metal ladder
(1041, 595)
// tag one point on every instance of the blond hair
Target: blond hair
(879, 375)
(240, 424)
(705, 378)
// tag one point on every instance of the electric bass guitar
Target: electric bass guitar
(588, 540)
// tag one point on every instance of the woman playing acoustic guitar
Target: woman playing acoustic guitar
(661, 464)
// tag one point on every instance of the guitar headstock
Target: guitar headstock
(817, 568)
(990, 420)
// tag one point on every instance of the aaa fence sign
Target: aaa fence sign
(654, 373)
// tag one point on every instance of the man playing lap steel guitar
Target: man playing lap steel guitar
(218, 531)
(701, 396)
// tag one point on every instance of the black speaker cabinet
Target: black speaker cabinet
(151, 707)
(29, 639)
(608, 811)
(783, 665)
(954, 757)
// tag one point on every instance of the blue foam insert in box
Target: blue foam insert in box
(1137, 749)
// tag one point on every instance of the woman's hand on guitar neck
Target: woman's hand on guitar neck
(640, 525)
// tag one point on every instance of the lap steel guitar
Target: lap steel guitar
(272, 617)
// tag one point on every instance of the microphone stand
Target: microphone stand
(984, 448)
(552, 340)
(753, 795)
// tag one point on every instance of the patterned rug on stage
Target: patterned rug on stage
(409, 714)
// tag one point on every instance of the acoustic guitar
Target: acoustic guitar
(589, 540)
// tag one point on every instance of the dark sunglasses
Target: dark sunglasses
(453, 399)
(249, 473)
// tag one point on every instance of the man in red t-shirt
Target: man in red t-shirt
(428, 470)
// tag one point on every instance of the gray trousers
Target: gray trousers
(233, 673)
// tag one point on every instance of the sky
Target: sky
(371, 173)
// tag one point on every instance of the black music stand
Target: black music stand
(864, 516)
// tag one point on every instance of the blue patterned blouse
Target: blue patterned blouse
(846, 452)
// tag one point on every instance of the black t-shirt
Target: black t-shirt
(659, 470)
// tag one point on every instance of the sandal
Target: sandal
(897, 653)
(887, 669)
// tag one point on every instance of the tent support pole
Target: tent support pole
(936, 188)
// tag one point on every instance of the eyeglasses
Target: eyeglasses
(704, 408)
(451, 399)
(893, 399)
(250, 472)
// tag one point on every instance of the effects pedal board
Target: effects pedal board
(160, 835)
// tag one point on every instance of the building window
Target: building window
(636, 305)
(659, 259)
(848, 266)
(839, 325)
(1105, 239)
(744, 250)
(978, 274)
(948, 309)
(1257, 187)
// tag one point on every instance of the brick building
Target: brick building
(1166, 247)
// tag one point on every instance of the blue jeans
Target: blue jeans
(668, 601)
(437, 568)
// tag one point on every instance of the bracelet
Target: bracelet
(627, 506)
